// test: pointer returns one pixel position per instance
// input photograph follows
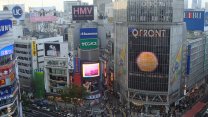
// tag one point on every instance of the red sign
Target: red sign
(2, 82)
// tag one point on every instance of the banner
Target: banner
(34, 49)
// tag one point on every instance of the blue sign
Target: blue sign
(188, 60)
(17, 12)
(86, 33)
(5, 26)
(7, 50)
(194, 20)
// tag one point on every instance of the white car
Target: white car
(70, 115)
(46, 109)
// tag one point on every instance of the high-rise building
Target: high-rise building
(148, 52)
(101, 5)
(185, 4)
(9, 88)
(196, 4)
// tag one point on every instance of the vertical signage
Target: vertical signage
(34, 49)
(188, 59)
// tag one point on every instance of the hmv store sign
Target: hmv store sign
(83, 12)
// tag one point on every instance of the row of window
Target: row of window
(23, 77)
(22, 52)
(58, 71)
(24, 58)
(25, 71)
(5, 59)
(22, 46)
(24, 64)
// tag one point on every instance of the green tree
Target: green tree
(73, 91)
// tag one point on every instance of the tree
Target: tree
(72, 92)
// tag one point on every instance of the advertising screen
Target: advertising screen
(86, 33)
(7, 50)
(42, 14)
(52, 49)
(148, 58)
(91, 70)
(83, 12)
(194, 20)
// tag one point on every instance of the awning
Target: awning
(194, 110)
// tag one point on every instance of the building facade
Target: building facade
(30, 53)
(9, 88)
(56, 71)
(148, 52)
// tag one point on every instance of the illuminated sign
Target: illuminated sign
(5, 26)
(87, 44)
(147, 32)
(7, 50)
(17, 12)
(193, 15)
(34, 49)
(91, 70)
(83, 12)
(52, 49)
(2, 82)
(88, 33)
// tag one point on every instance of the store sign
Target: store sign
(70, 60)
(147, 32)
(34, 49)
(2, 82)
(87, 44)
(93, 96)
(83, 12)
(5, 26)
(86, 33)
(17, 12)
(7, 50)
(193, 14)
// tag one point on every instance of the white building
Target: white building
(30, 53)
(196, 4)
(56, 75)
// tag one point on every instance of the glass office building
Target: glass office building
(148, 51)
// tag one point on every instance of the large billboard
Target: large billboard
(90, 70)
(88, 44)
(5, 26)
(195, 20)
(86, 33)
(148, 58)
(52, 49)
(42, 14)
(18, 11)
(7, 50)
(83, 12)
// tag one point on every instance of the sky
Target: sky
(39, 3)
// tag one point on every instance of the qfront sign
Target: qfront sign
(5, 26)
(147, 32)
(88, 44)
(83, 12)
(86, 33)
(17, 12)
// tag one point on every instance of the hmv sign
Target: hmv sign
(83, 12)
(17, 11)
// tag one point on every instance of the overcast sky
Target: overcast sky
(39, 3)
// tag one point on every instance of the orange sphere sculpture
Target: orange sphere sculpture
(147, 61)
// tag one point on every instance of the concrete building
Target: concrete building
(9, 87)
(156, 31)
(101, 4)
(30, 53)
(56, 75)
(196, 59)
(185, 4)
(196, 4)
(206, 5)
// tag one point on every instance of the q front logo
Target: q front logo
(5, 26)
(17, 12)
